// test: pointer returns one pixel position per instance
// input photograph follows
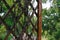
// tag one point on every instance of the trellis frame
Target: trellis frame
(39, 24)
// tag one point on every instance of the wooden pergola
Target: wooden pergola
(27, 19)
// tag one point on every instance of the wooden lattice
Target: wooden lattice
(24, 16)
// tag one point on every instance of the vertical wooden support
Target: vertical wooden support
(39, 19)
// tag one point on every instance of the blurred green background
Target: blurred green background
(50, 20)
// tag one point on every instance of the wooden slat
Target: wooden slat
(39, 19)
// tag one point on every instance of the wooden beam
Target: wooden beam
(39, 19)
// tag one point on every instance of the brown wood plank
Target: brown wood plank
(39, 19)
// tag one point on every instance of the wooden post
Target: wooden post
(39, 19)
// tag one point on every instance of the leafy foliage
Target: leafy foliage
(51, 21)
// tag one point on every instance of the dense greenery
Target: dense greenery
(50, 20)
(10, 19)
